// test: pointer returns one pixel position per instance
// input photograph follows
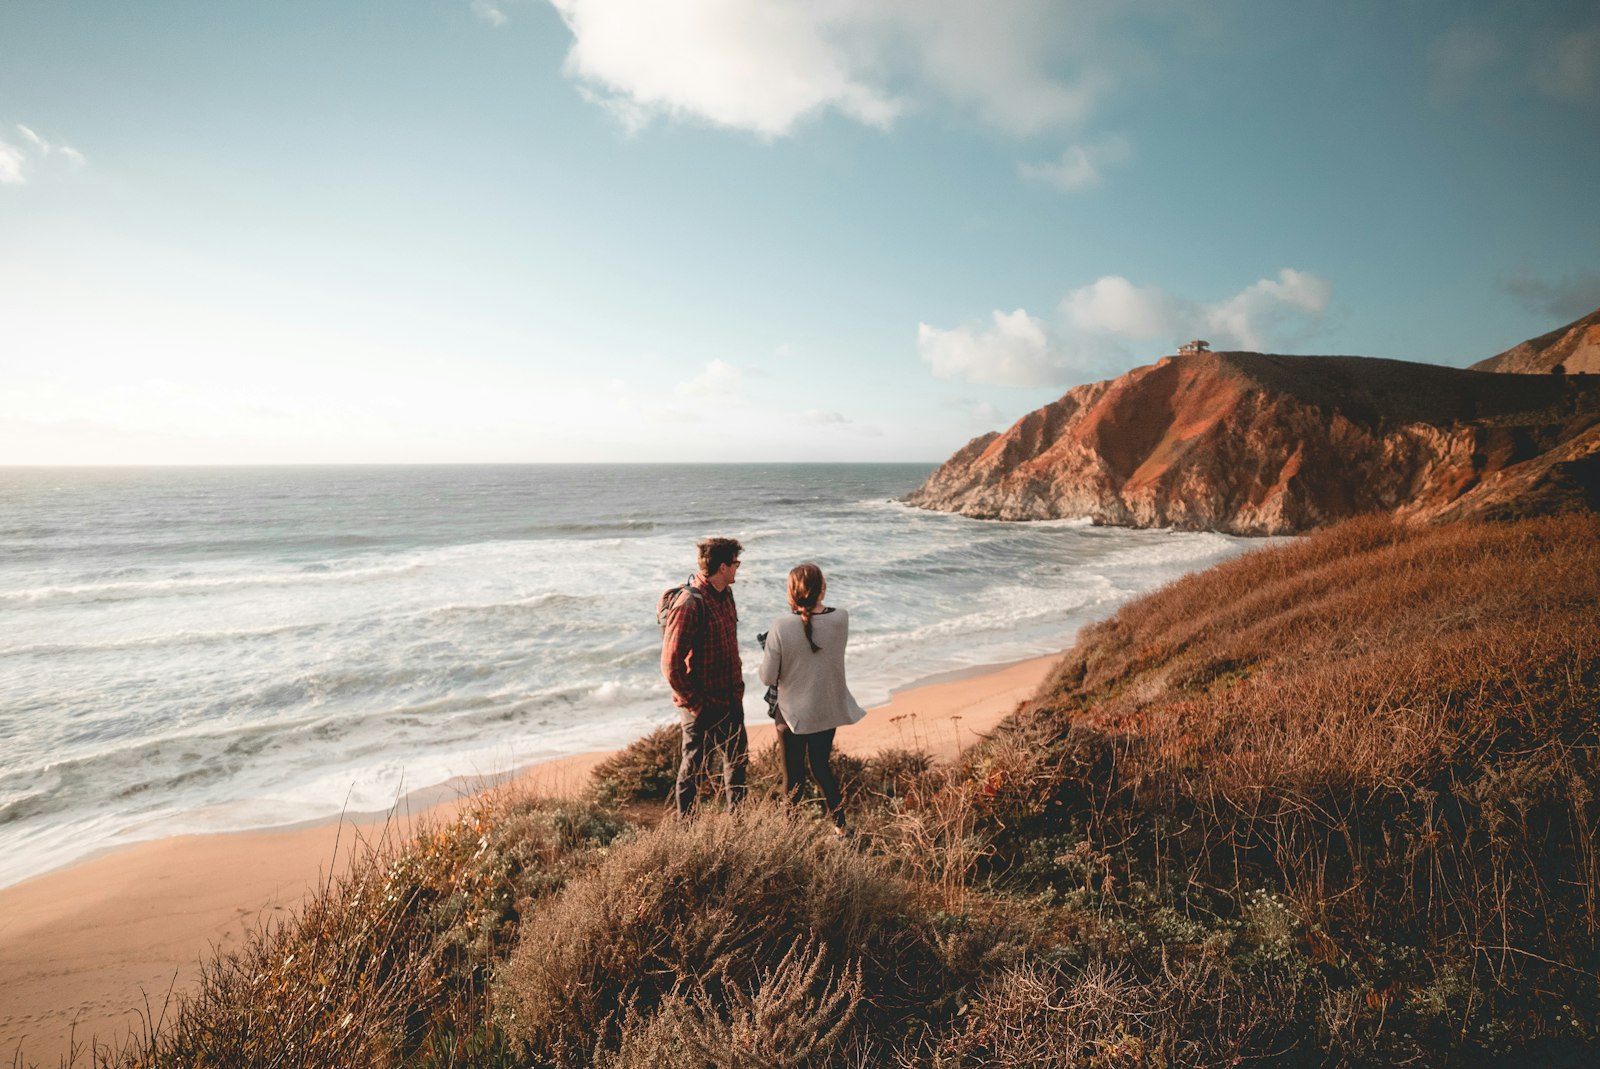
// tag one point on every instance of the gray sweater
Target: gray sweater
(811, 690)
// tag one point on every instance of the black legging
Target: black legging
(812, 749)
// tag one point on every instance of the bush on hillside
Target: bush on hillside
(698, 920)
(1195, 1012)
(643, 771)
(389, 963)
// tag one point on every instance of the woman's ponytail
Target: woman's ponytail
(806, 587)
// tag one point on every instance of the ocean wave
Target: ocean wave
(48, 546)
(26, 805)
(521, 608)
(150, 642)
(30, 530)
(579, 530)
(1006, 612)
(179, 586)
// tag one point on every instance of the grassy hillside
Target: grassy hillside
(1373, 752)
(1330, 804)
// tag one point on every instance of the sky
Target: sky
(442, 231)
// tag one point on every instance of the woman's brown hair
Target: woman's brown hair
(806, 587)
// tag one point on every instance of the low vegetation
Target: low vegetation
(1331, 804)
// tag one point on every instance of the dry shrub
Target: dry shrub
(700, 911)
(795, 1014)
(936, 839)
(643, 771)
(1192, 1011)
(896, 773)
(388, 964)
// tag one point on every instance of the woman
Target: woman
(805, 657)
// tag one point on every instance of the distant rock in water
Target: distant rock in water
(1574, 348)
(1250, 443)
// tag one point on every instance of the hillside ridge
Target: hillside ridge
(1267, 444)
(1574, 348)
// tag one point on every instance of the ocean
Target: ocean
(213, 649)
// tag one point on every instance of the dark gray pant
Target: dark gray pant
(713, 732)
(812, 749)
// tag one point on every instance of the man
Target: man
(700, 658)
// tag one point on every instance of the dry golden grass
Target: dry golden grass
(1394, 728)
(705, 915)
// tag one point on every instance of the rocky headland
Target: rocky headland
(1260, 444)
(1574, 349)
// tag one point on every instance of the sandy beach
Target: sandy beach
(85, 948)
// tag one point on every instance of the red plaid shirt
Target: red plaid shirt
(700, 649)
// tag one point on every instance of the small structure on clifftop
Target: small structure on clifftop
(1194, 348)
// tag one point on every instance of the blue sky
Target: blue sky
(593, 230)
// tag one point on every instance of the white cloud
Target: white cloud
(1024, 66)
(1113, 305)
(489, 12)
(718, 379)
(1016, 352)
(759, 67)
(814, 415)
(14, 160)
(11, 165)
(1080, 166)
(1572, 69)
(1004, 59)
(1272, 312)
(1097, 322)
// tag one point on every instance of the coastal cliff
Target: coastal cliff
(1574, 348)
(1259, 444)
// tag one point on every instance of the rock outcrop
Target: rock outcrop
(1566, 479)
(1574, 348)
(1257, 444)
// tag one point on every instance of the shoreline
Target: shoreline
(418, 800)
(84, 945)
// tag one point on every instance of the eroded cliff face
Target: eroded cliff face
(1564, 479)
(1575, 348)
(1257, 444)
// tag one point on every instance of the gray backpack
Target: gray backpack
(670, 598)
